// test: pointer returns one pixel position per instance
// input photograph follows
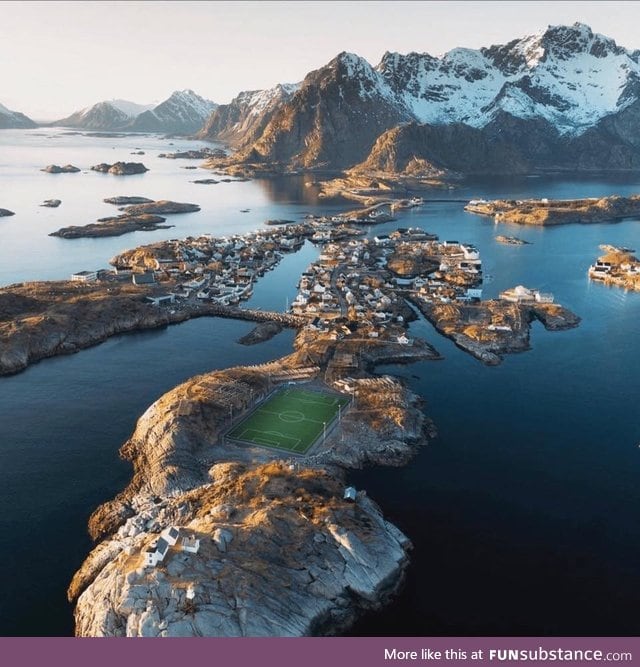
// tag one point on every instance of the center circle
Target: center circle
(291, 416)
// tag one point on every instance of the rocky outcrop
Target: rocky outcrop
(113, 226)
(261, 333)
(247, 508)
(511, 240)
(120, 168)
(558, 212)
(490, 329)
(245, 580)
(56, 169)
(39, 320)
(160, 207)
(5, 212)
(51, 203)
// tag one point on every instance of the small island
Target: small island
(511, 240)
(57, 169)
(113, 226)
(545, 212)
(125, 201)
(51, 203)
(160, 207)
(120, 168)
(5, 213)
(143, 216)
(202, 154)
(618, 266)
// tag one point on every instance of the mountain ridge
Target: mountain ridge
(558, 94)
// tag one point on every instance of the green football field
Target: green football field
(292, 420)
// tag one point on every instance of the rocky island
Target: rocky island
(140, 215)
(235, 511)
(557, 211)
(160, 207)
(113, 226)
(5, 213)
(120, 168)
(124, 201)
(618, 266)
(511, 240)
(51, 203)
(56, 169)
(490, 329)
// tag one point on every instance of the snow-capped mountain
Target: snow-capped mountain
(14, 119)
(246, 115)
(564, 83)
(107, 116)
(184, 112)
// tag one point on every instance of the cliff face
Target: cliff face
(246, 579)
(243, 120)
(333, 120)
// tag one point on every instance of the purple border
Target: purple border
(315, 652)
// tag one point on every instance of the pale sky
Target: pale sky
(58, 57)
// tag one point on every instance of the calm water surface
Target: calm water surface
(523, 512)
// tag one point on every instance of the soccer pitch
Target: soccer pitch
(291, 420)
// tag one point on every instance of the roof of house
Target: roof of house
(162, 546)
(143, 278)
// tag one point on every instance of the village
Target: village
(361, 287)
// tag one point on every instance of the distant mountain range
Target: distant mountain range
(184, 112)
(13, 119)
(562, 99)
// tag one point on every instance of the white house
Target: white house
(470, 251)
(84, 276)
(403, 340)
(190, 544)
(156, 553)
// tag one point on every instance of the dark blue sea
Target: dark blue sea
(523, 511)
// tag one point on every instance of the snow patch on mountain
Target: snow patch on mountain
(131, 109)
(567, 75)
